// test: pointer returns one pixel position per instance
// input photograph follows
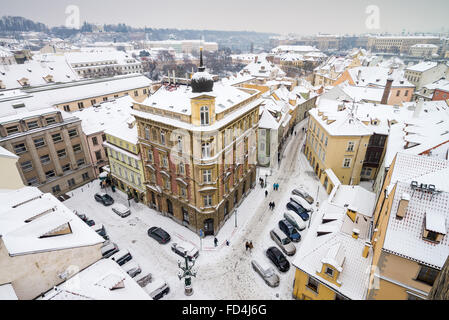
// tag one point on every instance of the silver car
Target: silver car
(268, 275)
(283, 241)
(132, 268)
(303, 194)
(121, 210)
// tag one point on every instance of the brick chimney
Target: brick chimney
(387, 91)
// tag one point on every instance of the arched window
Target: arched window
(204, 115)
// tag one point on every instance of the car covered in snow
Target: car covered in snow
(108, 249)
(303, 194)
(132, 268)
(122, 257)
(101, 230)
(143, 279)
(302, 202)
(298, 209)
(185, 249)
(157, 289)
(283, 241)
(278, 259)
(104, 198)
(295, 220)
(159, 234)
(121, 210)
(268, 274)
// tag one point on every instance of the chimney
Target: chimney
(366, 249)
(359, 74)
(387, 91)
(418, 108)
(255, 59)
(403, 206)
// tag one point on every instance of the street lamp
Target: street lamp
(187, 273)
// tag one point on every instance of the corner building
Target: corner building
(199, 149)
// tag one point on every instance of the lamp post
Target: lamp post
(187, 273)
(235, 214)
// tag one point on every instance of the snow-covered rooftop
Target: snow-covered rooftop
(7, 292)
(104, 280)
(377, 76)
(423, 66)
(27, 214)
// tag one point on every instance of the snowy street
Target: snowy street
(223, 272)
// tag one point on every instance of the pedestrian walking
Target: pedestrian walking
(274, 205)
(227, 243)
(246, 246)
(250, 246)
(266, 193)
(295, 133)
(274, 186)
(269, 205)
(277, 186)
(215, 241)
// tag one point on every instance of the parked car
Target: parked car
(295, 220)
(104, 198)
(82, 216)
(109, 249)
(279, 260)
(159, 234)
(132, 268)
(299, 210)
(303, 194)
(283, 241)
(143, 279)
(268, 275)
(303, 203)
(122, 257)
(157, 289)
(100, 229)
(289, 230)
(184, 249)
(90, 223)
(121, 210)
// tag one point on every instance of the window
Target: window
(20, 148)
(204, 115)
(80, 162)
(346, 163)
(431, 235)
(312, 284)
(71, 182)
(56, 189)
(325, 142)
(105, 99)
(207, 176)
(26, 166)
(150, 155)
(398, 93)
(73, 133)
(95, 141)
(45, 159)
(66, 167)
(39, 143)
(205, 150)
(80, 105)
(406, 93)
(61, 153)
(183, 192)
(185, 215)
(98, 155)
(32, 181)
(167, 184)
(103, 137)
(136, 93)
(207, 200)
(77, 148)
(67, 108)
(56, 137)
(147, 133)
(50, 174)
(180, 144)
(32, 125)
(136, 164)
(154, 134)
(181, 168)
(165, 161)
(12, 130)
(93, 101)
(427, 275)
(152, 177)
(329, 272)
(350, 146)
(162, 137)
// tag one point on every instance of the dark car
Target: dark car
(159, 234)
(279, 260)
(299, 210)
(289, 230)
(100, 229)
(122, 257)
(90, 223)
(104, 198)
(82, 216)
(108, 249)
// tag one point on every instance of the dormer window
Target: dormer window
(204, 115)
(434, 227)
(329, 272)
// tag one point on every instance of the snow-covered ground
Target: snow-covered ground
(224, 272)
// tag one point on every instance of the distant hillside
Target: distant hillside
(8, 23)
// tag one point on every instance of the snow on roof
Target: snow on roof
(27, 214)
(404, 237)
(377, 76)
(436, 222)
(37, 73)
(263, 68)
(97, 282)
(267, 121)
(119, 57)
(7, 292)
(7, 154)
(423, 66)
(330, 242)
(359, 199)
(297, 49)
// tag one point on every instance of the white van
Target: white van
(157, 289)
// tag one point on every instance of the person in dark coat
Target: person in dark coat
(250, 246)
(246, 246)
(274, 205)
(215, 241)
(266, 193)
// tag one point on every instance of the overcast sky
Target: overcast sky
(281, 16)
